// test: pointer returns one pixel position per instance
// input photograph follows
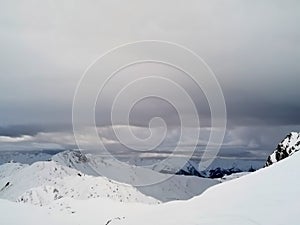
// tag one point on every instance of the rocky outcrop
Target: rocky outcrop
(288, 146)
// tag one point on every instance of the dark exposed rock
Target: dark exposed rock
(288, 146)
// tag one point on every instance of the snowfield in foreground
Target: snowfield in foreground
(268, 196)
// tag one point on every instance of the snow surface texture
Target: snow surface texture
(232, 176)
(288, 146)
(9, 169)
(267, 196)
(172, 188)
(43, 182)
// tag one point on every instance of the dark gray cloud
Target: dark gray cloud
(254, 112)
(252, 46)
(20, 130)
(16, 131)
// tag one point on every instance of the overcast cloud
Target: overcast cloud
(252, 46)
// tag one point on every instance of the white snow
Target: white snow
(232, 176)
(268, 196)
(287, 147)
(9, 169)
(172, 188)
(43, 182)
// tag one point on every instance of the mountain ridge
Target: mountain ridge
(287, 147)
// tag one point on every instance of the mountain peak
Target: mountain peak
(288, 146)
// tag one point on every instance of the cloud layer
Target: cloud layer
(253, 48)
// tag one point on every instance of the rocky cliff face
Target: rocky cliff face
(288, 146)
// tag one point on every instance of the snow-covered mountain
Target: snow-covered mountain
(70, 187)
(43, 182)
(267, 196)
(171, 188)
(219, 167)
(288, 146)
(238, 201)
(74, 175)
(212, 172)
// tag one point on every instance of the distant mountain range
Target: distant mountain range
(68, 188)
(26, 157)
(219, 168)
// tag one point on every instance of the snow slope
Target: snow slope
(172, 188)
(268, 196)
(25, 214)
(232, 176)
(9, 169)
(43, 182)
(288, 146)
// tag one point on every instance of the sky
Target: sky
(253, 48)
